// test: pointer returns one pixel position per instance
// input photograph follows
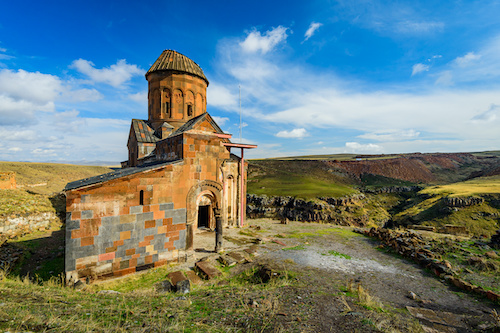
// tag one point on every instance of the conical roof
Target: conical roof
(171, 60)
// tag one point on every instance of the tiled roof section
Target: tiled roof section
(114, 175)
(143, 132)
(191, 122)
(174, 61)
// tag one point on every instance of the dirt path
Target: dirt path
(328, 257)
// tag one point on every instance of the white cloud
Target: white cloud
(418, 68)
(140, 97)
(255, 41)
(81, 95)
(220, 96)
(355, 147)
(115, 75)
(15, 134)
(45, 152)
(311, 30)
(15, 149)
(413, 27)
(221, 121)
(391, 136)
(299, 97)
(488, 115)
(34, 87)
(297, 133)
(467, 59)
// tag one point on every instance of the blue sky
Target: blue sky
(316, 77)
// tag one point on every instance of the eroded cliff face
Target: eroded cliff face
(396, 207)
(417, 168)
(355, 210)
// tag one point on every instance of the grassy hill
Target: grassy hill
(298, 178)
(38, 184)
(460, 175)
(430, 207)
(47, 178)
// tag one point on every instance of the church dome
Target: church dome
(171, 60)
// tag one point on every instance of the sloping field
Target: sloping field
(431, 206)
(303, 179)
(47, 178)
(476, 186)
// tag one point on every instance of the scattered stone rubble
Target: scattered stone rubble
(462, 202)
(17, 225)
(9, 255)
(412, 245)
(181, 282)
(495, 240)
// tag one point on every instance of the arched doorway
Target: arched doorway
(205, 210)
(203, 200)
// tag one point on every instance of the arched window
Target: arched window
(141, 197)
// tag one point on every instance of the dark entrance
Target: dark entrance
(203, 216)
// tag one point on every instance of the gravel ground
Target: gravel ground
(332, 259)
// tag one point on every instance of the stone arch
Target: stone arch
(155, 99)
(198, 103)
(190, 105)
(166, 104)
(178, 104)
(207, 189)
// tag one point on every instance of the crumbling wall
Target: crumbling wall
(17, 225)
(7, 180)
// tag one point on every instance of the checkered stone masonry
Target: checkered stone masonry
(116, 245)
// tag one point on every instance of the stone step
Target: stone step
(252, 250)
(208, 271)
(240, 256)
(176, 277)
(193, 277)
(226, 260)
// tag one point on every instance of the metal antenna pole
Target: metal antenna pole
(239, 86)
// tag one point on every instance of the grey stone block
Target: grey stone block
(136, 209)
(110, 220)
(141, 218)
(140, 261)
(125, 227)
(69, 264)
(180, 244)
(85, 198)
(167, 206)
(179, 216)
(87, 214)
(72, 225)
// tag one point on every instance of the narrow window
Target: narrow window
(190, 110)
(167, 109)
(141, 197)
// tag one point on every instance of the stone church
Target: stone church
(180, 177)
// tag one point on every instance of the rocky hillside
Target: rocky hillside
(393, 190)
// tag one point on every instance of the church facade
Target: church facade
(180, 176)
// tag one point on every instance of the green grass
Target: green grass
(298, 186)
(49, 177)
(477, 186)
(48, 306)
(22, 202)
(338, 254)
(294, 248)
